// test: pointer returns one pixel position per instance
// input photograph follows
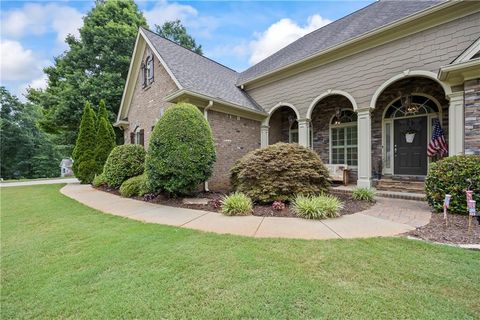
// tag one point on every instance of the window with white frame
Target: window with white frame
(343, 138)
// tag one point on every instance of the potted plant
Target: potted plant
(410, 135)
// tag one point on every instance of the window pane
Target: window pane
(388, 146)
(352, 156)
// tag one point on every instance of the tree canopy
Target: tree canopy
(26, 152)
(175, 31)
(94, 67)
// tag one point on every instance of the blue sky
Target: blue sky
(235, 33)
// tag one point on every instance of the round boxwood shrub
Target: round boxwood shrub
(452, 176)
(181, 152)
(134, 186)
(124, 162)
(279, 172)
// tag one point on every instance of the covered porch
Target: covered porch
(387, 140)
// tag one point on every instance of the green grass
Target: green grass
(61, 259)
(36, 179)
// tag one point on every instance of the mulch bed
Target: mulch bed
(350, 205)
(455, 233)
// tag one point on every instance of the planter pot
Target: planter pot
(409, 137)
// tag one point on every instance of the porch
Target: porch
(384, 144)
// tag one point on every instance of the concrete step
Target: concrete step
(417, 196)
(401, 186)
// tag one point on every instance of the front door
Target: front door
(410, 157)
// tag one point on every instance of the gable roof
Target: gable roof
(196, 73)
(369, 18)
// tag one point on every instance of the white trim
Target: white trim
(412, 17)
(468, 53)
(130, 70)
(178, 93)
(277, 106)
(327, 93)
(404, 75)
(152, 47)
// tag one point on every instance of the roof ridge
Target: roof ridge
(207, 58)
(313, 31)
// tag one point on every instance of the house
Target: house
(66, 167)
(350, 90)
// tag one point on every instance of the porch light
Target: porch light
(406, 101)
(337, 116)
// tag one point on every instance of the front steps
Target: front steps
(401, 185)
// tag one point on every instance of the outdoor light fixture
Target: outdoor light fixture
(337, 116)
(406, 101)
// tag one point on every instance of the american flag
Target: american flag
(437, 146)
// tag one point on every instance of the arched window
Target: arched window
(411, 105)
(343, 138)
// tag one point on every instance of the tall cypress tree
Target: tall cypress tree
(103, 112)
(105, 142)
(84, 165)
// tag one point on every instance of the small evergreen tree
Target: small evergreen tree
(105, 142)
(84, 165)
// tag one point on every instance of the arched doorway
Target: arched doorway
(283, 125)
(407, 127)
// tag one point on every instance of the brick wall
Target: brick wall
(472, 116)
(147, 103)
(234, 137)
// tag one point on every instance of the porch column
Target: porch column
(264, 136)
(304, 132)
(364, 148)
(456, 124)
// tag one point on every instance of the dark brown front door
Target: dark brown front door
(410, 158)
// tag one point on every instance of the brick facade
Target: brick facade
(147, 103)
(472, 116)
(234, 136)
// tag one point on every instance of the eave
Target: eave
(457, 74)
(428, 18)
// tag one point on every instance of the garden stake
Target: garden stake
(446, 204)
(471, 213)
(469, 194)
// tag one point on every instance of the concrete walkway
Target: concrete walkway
(389, 217)
(37, 182)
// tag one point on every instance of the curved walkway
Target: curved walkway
(388, 217)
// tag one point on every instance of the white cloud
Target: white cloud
(18, 63)
(37, 19)
(39, 83)
(280, 34)
(164, 11)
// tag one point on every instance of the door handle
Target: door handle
(395, 150)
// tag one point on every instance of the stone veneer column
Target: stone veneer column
(304, 132)
(364, 134)
(456, 126)
(264, 136)
(472, 116)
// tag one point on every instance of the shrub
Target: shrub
(124, 162)
(99, 180)
(134, 186)
(452, 176)
(317, 207)
(278, 205)
(104, 144)
(279, 172)
(365, 194)
(181, 152)
(237, 204)
(84, 165)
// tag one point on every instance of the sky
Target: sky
(237, 34)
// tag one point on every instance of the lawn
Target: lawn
(60, 259)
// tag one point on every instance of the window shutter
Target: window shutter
(132, 137)
(142, 137)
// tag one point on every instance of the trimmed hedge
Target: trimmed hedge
(452, 176)
(134, 186)
(181, 152)
(99, 180)
(124, 162)
(279, 172)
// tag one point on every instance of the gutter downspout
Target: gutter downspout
(205, 114)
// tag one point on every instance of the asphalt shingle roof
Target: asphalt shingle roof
(360, 22)
(200, 74)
